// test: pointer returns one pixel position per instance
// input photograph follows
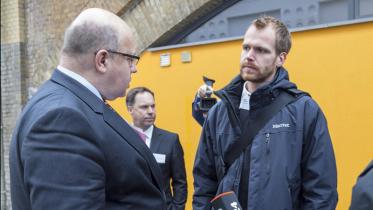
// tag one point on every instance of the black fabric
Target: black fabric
(173, 168)
(257, 119)
(244, 181)
(226, 201)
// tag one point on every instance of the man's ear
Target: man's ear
(280, 60)
(130, 109)
(101, 60)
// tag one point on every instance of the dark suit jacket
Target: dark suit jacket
(71, 151)
(168, 144)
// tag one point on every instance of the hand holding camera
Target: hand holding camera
(205, 93)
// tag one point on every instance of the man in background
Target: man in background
(69, 149)
(164, 145)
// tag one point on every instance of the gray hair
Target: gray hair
(89, 37)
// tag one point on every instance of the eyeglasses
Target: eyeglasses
(132, 59)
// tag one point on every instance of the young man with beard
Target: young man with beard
(164, 145)
(290, 162)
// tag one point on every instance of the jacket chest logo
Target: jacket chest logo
(282, 125)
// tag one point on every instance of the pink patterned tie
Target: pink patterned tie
(142, 135)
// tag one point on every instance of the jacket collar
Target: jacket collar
(79, 90)
(130, 135)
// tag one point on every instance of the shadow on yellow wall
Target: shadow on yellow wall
(335, 65)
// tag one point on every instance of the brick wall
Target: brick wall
(46, 22)
(12, 94)
(149, 19)
(152, 19)
(32, 35)
(12, 85)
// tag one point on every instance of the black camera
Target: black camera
(208, 101)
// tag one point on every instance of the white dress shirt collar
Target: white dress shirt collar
(80, 79)
(245, 98)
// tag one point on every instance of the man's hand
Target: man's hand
(204, 91)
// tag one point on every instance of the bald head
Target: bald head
(95, 29)
(92, 48)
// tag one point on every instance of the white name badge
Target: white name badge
(160, 158)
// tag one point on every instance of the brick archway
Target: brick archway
(32, 35)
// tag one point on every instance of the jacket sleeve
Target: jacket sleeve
(178, 174)
(319, 181)
(205, 178)
(63, 166)
(197, 112)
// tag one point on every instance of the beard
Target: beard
(257, 75)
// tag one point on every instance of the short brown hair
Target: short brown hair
(131, 95)
(283, 37)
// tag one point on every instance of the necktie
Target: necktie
(142, 135)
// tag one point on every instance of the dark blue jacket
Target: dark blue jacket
(362, 193)
(292, 164)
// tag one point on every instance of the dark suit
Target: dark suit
(71, 151)
(168, 144)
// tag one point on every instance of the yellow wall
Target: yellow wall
(334, 64)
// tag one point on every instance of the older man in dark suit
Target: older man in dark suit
(165, 145)
(69, 149)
